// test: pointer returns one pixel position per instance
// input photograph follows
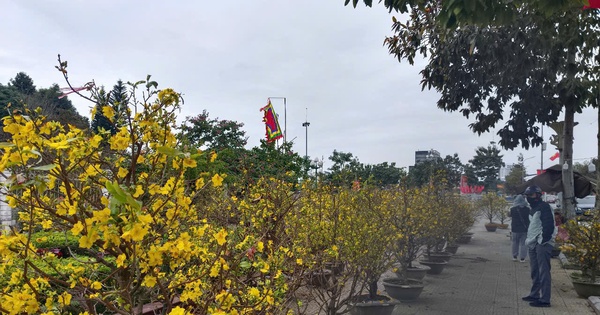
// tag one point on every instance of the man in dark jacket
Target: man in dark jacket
(540, 239)
(519, 214)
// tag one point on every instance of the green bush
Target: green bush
(54, 240)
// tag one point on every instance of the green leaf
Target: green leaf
(245, 264)
(116, 191)
(169, 151)
(4, 145)
(44, 167)
(33, 151)
(137, 205)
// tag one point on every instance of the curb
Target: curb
(594, 302)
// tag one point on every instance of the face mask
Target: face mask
(531, 200)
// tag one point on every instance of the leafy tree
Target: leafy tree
(57, 108)
(515, 177)
(346, 169)
(8, 95)
(454, 169)
(471, 175)
(487, 163)
(23, 83)
(539, 65)
(421, 173)
(450, 168)
(201, 131)
(267, 160)
(118, 99)
(99, 121)
(454, 14)
(384, 174)
(21, 92)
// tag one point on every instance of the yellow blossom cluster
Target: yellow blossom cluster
(129, 202)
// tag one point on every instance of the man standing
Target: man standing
(540, 240)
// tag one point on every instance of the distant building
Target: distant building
(429, 155)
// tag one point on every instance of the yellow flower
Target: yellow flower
(265, 268)
(46, 224)
(77, 228)
(154, 257)
(178, 311)
(213, 156)
(136, 233)
(299, 261)
(149, 281)
(108, 112)
(187, 162)
(96, 285)
(221, 237)
(65, 299)
(121, 260)
(217, 180)
(254, 292)
(63, 144)
(199, 183)
(214, 270)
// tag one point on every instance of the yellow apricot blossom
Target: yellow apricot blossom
(221, 237)
(217, 180)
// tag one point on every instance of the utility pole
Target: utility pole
(543, 148)
(305, 124)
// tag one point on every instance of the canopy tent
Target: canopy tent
(551, 181)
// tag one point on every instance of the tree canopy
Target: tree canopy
(486, 165)
(21, 92)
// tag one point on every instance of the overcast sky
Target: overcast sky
(228, 57)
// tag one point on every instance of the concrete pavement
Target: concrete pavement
(482, 279)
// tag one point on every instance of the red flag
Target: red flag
(555, 156)
(594, 4)
(273, 131)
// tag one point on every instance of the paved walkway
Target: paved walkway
(482, 279)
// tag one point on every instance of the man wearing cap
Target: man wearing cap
(540, 240)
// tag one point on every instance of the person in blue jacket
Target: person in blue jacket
(540, 240)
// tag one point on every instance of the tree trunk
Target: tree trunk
(567, 172)
(597, 205)
(567, 166)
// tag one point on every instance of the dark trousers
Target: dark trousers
(539, 260)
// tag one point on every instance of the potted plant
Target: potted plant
(409, 223)
(347, 225)
(503, 217)
(461, 220)
(490, 206)
(367, 240)
(582, 245)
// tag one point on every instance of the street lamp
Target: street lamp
(305, 124)
(284, 115)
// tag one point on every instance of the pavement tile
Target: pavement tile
(482, 279)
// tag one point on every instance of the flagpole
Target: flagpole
(284, 116)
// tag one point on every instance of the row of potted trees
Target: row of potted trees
(372, 231)
(581, 244)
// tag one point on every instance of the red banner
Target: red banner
(273, 131)
(594, 4)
